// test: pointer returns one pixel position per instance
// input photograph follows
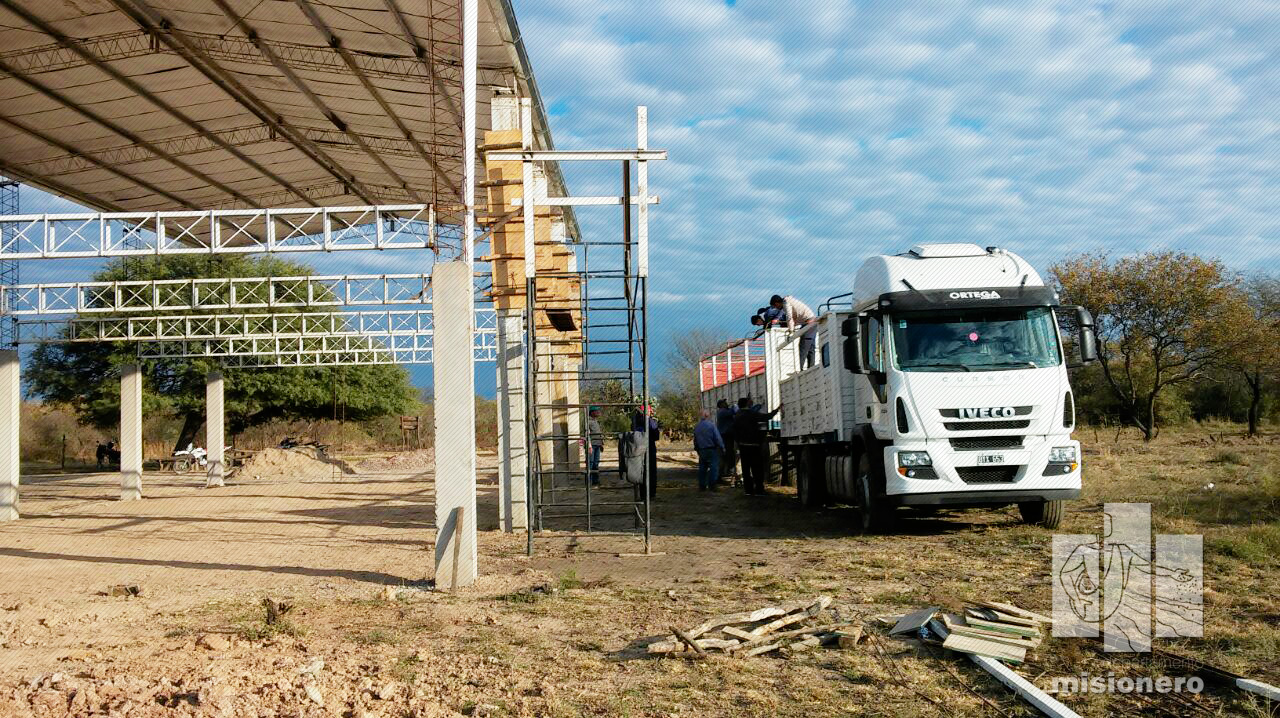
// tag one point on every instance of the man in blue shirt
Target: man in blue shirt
(708, 443)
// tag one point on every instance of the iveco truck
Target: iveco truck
(941, 381)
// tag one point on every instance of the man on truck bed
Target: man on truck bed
(799, 316)
(748, 434)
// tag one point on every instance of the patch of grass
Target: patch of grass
(260, 630)
(377, 637)
(179, 632)
(1226, 456)
(570, 580)
(405, 670)
(1255, 544)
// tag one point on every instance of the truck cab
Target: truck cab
(943, 384)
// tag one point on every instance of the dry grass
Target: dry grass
(563, 634)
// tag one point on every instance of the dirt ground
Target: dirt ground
(563, 633)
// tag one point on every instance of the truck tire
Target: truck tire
(810, 478)
(1046, 514)
(870, 516)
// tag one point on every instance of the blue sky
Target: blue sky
(805, 136)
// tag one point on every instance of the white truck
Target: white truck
(942, 384)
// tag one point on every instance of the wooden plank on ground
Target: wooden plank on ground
(1024, 688)
(1021, 612)
(984, 647)
(913, 622)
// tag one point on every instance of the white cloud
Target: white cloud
(803, 137)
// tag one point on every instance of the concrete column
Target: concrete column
(10, 419)
(130, 432)
(215, 435)
(455, 418)
(513, 509)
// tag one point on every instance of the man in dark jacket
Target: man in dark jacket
(655, 432)
(750, 437)
(724, 424)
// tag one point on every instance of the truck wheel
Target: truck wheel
(1047, 514)
(809, 479)
(869, 517)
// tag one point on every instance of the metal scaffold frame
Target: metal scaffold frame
(613, 344)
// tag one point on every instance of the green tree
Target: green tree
(85, 375)
(680, 395)
(1163, 319)
(1255, 356)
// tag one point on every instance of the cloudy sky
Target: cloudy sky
(804, 136)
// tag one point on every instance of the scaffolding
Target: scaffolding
(586, 338)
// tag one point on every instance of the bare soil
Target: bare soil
(563, 633)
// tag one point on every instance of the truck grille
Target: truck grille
(987, 474)
(986, 425)
(979, 443)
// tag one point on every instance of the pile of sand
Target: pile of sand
(419, 460)
(303, 462)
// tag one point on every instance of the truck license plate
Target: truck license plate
(984, 459)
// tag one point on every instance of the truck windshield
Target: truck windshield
(978, 339)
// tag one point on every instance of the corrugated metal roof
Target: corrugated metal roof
(204, 104)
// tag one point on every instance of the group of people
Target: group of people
(735, 435)
(595, 443)
(790, 312)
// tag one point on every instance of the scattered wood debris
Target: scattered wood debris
(754, 633)
(990, 629)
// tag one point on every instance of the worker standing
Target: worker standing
(724, 424)
(709, 445)
(595, 444)
(749, 435)
(799, 317)
(645, 415)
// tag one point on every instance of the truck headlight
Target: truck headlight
(914, 458)
(1062, 455)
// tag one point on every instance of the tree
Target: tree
(1163, 319)
(680, 399)
(85, 375)
(1255, 356)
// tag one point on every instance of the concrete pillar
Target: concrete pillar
(130, 432)
(455, 418)
(10, 419)
(513, 508)
(215, 435)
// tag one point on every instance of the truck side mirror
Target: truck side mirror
(851, 328)
(1088, 339)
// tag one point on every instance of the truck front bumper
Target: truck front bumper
(1023, 474)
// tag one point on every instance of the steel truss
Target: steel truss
(231, 48)
(9, 270)
(210, 294)
(310, 351)
(227, 326)
(243, 231)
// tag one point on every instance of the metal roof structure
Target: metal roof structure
(145, 105)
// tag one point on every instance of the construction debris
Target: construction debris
(755, 633)
(994, 630)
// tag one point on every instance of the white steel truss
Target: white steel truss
(211, 294)
(229, 231)
(311, 351)
(226, 326)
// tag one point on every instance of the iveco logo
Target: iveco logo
(986, 294)
(988, 412)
